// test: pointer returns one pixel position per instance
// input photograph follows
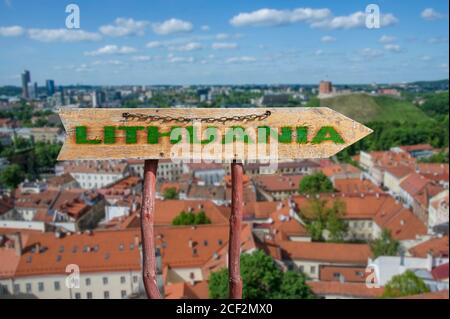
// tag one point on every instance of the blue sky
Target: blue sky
(223, 42)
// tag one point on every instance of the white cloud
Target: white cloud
(141, 58)
(240, 59)
(316, 18)
(123, 27)
(354, 20)
(222, 36)
(111, 49)
(180, 59)
(327, 39)
(393, 48)
(224, 45)
(272, 17)
(154, 44)
(387, 39)
(107, 62)
(190, 46)
(371, 53)
(425, 58)
(62, 35)
(430, 14)
(205, 28)
(172, 26)
(438, 40)
(12, 31)
(318, 52)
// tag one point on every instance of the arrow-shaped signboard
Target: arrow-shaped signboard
(209, 134)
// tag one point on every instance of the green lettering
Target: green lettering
(285, 137)
(302, 134)
(81, 136)
(236, 134)
(131, 133)
(327, 133)
(109, 133)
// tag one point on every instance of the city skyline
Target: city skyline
(220, 43)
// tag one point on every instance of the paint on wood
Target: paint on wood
(294, 133)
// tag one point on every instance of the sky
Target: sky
(223, 42)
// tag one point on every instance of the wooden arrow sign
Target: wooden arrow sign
(208, 134)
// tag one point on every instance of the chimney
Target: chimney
(430, 260)
(17, 243)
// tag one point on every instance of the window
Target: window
(16, 289)
(192, 275)
(40, 286)
(122, 279)
(106, 294)
(89, 295)
(301, 268)
(337, 275)
(77, 295)
(88, 281)
(135, 279)
(57, 285)
(312, 270)
(28, 288)
(105, 280)
(121, 247)
(123, 293)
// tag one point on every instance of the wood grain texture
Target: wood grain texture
(96, 119)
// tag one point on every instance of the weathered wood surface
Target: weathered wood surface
(313, 118)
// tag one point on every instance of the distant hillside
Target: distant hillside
(365, 108)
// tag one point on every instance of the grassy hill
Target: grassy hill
(365, 108)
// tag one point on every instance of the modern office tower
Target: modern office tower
(35, 90)
(26, 78)
(50, 85)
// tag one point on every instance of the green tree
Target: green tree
(170, 193)
(189, 218)
(315, 183)
(261, 279)
(406, 284)
(385, 245)
(12, 176)
(323, 217)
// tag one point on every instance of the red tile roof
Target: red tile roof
(348, 274)
(356, 186)
(443, 294)
(326, 252)
(278, 183)
(437, 246)
(355, 290)
(440, 272)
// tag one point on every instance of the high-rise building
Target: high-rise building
(26, 78)
(35, 90)
(325, 87)
(50, 85)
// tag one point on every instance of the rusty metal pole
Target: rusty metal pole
(148, 235)
(234, 245)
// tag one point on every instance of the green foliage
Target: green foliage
(441, 157)
(406, 284)
(365, 108)
(385, 245)
(435, 104)
(322, 217)
(315, 183)
(12, 175)
(46, 154)
(262, 279)
(186, 218)
(170, 193)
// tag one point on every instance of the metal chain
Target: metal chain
(182, 119)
